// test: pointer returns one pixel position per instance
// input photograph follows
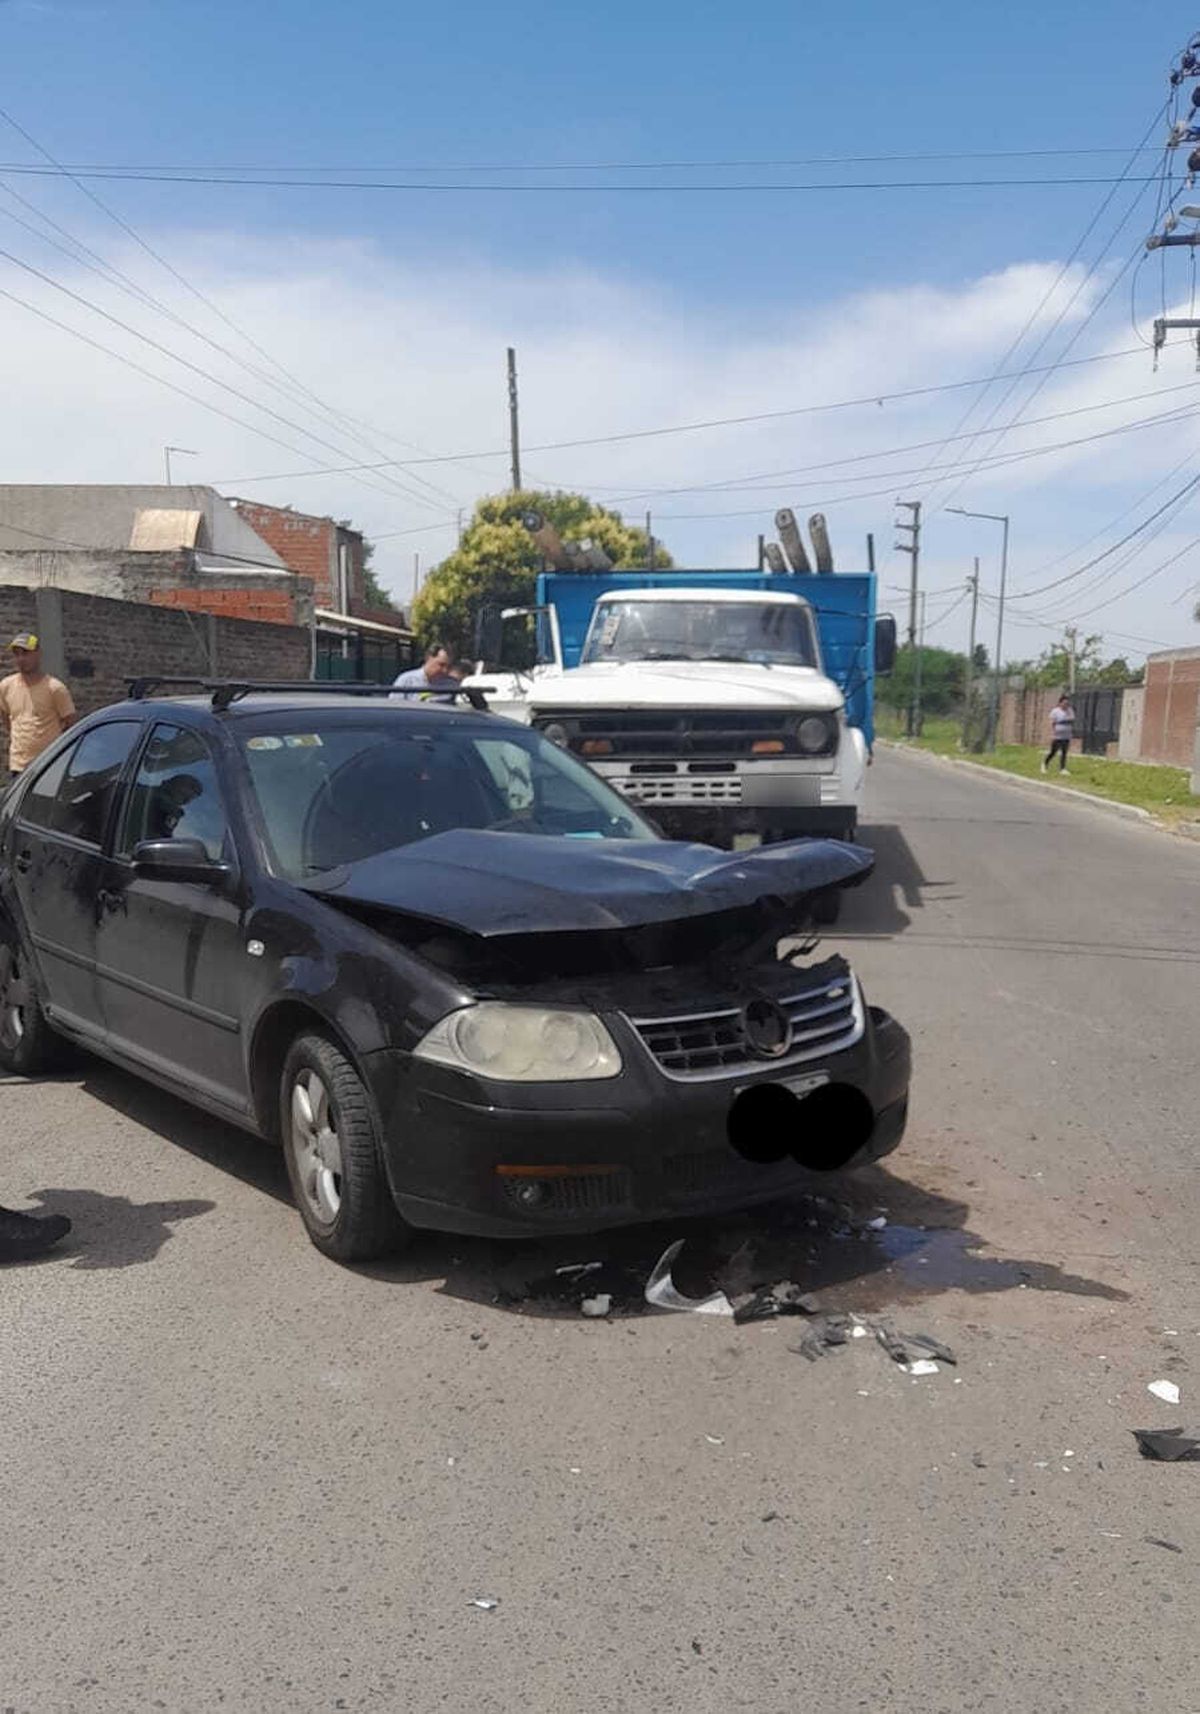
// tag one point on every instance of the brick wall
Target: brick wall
(309, 546)
(103, 642)
(166, 579)
(270, 606)
(1169, 710)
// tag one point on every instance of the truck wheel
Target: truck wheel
(848, 831)
(331, 1145)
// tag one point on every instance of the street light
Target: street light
(994, 518)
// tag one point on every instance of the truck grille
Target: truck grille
(679, 788)
(713, 1044)
(725, 733)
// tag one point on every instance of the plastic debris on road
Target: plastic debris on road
(786, 1298)
(895, 1347)
(943, 1353)
(485, 1603)
(661, 1293)
(596, 1306)
(1169, 1445)
(923, 1366)
(1167, 1391)
(878, 1224)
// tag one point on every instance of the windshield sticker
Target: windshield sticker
(264, 743)
(303, 741)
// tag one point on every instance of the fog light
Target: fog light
(527, 1192)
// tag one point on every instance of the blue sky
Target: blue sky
(631, 308)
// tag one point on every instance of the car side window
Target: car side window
(37, 806)
(75, 794)
(175, 794)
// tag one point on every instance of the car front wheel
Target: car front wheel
(28, 1044)
(332, 1148)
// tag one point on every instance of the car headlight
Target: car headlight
(522, 1044)
(813, 734)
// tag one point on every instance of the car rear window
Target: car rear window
(333, 793)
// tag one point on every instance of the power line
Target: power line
(1180, 493)
(78, 175)
(686, 428)
(586, 166)
(1047, 297)
(292, 381)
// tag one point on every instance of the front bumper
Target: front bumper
(461, 1155)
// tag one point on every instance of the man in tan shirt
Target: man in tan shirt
(36, 707)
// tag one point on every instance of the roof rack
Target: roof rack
(226, 691)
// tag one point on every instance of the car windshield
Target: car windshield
(333, 792)
(773, 633)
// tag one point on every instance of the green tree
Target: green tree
(497, 561)
(373, 590)
(943, 676)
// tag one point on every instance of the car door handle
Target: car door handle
(23, 862)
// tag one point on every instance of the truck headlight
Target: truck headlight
(814, 734)
(522, 1044)
(557, 734)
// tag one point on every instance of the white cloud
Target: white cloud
(418, 351)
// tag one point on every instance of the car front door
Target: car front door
(169, 952)
(57, 866)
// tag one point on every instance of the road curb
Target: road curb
(1126, 811)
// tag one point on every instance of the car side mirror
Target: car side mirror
(885, 644)
(489, 636)
(177, 860)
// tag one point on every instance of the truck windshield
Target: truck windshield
(769, 633)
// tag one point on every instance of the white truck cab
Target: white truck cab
(710, 707)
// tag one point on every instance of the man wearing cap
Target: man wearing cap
(38, 708)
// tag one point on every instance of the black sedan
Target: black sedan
(460, 980)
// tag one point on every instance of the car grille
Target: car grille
(713, 1044)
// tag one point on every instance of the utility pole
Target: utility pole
(994, 518)
(969, 688)
(649, 544)
(1072, 642)
(913, 549)
(514, 421)
(762, 552)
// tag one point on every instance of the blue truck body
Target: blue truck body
(843, 603)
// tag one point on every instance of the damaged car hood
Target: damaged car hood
(492, 884)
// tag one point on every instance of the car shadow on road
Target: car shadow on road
(823, 1241)
(236, 1152)
(883, 907)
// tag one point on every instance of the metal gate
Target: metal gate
(1098, 719)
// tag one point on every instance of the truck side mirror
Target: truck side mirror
(489, 636)
(885, 644)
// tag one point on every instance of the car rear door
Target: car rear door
(169, 953)
(60, 826)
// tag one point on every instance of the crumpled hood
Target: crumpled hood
(685, 684)
(493, 884)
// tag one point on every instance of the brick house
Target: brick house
(322, 549)
(182, 546)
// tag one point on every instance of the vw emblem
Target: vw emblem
(768, 1029)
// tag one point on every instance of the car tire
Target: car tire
(332, 1148)
(28, 1042)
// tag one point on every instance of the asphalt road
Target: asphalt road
(238, 1477)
